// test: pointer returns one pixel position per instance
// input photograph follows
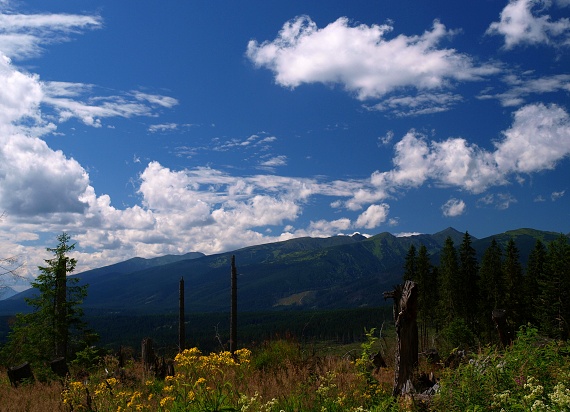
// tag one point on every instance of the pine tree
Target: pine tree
(55, 322)
(410, 271)
(554, 312)
(469, 274)
(427, 293)
(534, 278)
(490, 286)
(449, 283)
(513, 282)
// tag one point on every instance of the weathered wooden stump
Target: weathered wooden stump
(499, 317)
(148, 356)
(20, 373)
(405, 316)
(59, 367)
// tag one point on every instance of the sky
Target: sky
(149, 128)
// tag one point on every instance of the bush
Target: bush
(532, 374)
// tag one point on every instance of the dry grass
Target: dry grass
(35, 397)
(292, 376)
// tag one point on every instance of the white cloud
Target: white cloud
(22, 35)
(500, 201)
(165, 127)
(537, 140)
(557, 195)
(275, 161)
(522, 22)
(420, 104)
(76, 100)
(373, 217)
(362, 59)
(407, 234)
(453, 207)
(521, 88)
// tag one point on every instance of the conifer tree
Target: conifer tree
(513, 282)
(46, 332)
(410, 272)
(449, 283)
(469, 279)
(490, 286)
(554, 311)
(534, 278)
(427, 293)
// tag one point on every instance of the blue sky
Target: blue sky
(149, 128)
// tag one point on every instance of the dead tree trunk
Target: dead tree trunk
(233, 313)
(148, 356)
(181, 324)
(405, 317)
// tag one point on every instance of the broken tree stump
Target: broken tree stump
(405, 317)
(20, 373)
(148, 356)
(499, 317)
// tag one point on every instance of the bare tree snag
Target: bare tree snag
(148, 356)
(405, 316)
(181, 324)
(233, 313)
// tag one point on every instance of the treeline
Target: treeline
(458, 296)
(209, 331)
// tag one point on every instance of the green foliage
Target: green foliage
(469, 282)
(55, 324)
(364, 363)
(274, 354)
(449, 283)
(533, 373)
(458, 334)
(491, 287)
(554, 313)
(410, 265)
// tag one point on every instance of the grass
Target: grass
(282, 375)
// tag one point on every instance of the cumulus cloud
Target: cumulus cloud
(373, 217)
(453, 207)
(538, 139)
(363, 59)
(522, 22)
(274, 162)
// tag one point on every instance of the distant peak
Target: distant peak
(357, 236)
(449, 230)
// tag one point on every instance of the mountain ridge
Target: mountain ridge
(304, 273)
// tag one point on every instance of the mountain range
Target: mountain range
(301, 273)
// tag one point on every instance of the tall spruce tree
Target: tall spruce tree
(513, 282)
(449, 284)
(427, 294)
(469, 274)
(534, 278)
(410, 271)
(491, 287)
(554, 312)
(55, 322)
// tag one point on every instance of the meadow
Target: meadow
(533, 374)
